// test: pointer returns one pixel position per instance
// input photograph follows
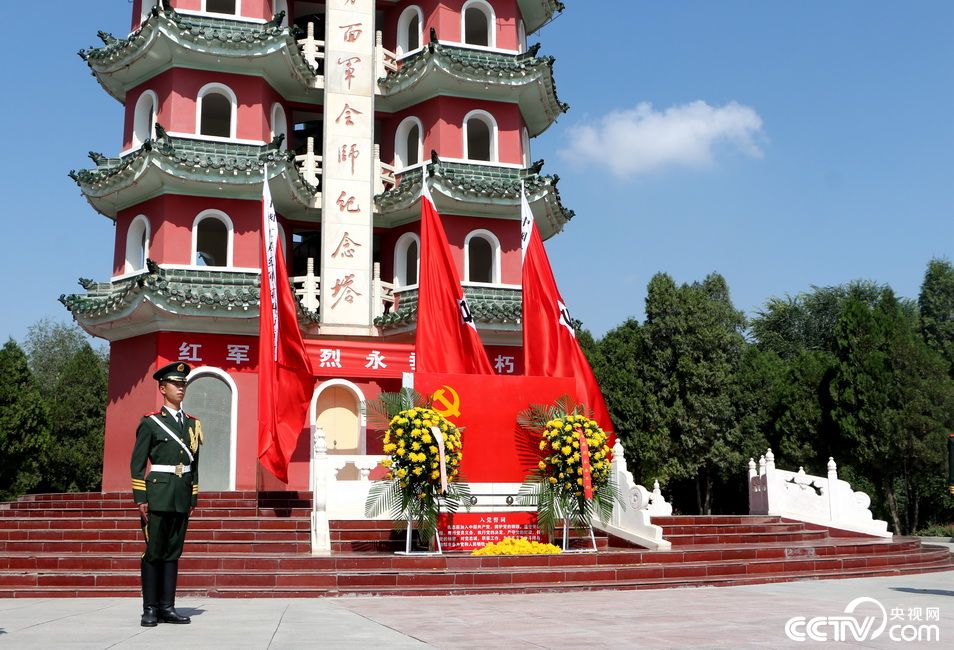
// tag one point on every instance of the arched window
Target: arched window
(482, 257)
(408, 143)
(478, 21)
(480, 136)
(144, 118)
(279, 124)
(137, 244)
(216, 110)
(212, 239)
(407, 260)
(230, 7)
(213, 398)
(409, 35)
(525, 143)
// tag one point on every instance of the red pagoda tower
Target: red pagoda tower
(345, 105)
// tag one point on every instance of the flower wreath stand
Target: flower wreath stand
(424, 455)
(572, 480)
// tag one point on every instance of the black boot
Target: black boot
(167, 602)
(149, 573)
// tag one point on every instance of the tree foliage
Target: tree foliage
(936, 306)
(850, 372)
(49, 345)
(74, 461)
(787, 326)
(24, 423)
(672, 383)
(892, 402)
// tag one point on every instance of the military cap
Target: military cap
(176, 371)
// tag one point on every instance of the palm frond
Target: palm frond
(384, 497)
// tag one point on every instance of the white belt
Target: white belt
(178, 470)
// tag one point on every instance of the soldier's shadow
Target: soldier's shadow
(191, 612)
(932, 592)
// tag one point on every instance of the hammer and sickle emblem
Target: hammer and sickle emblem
(451, 406)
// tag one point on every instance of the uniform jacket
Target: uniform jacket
(164, 491)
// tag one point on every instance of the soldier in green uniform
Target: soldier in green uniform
(169, 439)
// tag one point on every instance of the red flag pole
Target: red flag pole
(285, 380)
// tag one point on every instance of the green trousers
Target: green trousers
(165, 535)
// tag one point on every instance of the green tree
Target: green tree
(892, 402)
(632, 405)
(24, 423)
(936, 306)
(74, 461)
(693, 350)
(789, 325)
(49, 344)
(800, 429)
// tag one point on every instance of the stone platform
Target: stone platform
(248, 544)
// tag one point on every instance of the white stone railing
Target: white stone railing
(633, 522)
(340, 484)
(385, 60)
(308, 288)
(312, 49)
(309, 163)
(384, 178)
(813, 499)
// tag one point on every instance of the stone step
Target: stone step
(260, 583)
(136, 535)
(719, 529)
(243, 561)
(129, 508)
(740, 538)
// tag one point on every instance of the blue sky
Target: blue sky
(783, 145)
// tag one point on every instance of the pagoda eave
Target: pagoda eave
(497, 312)
(537, 13)
(441, 70)
(162, 43)
(478, 190)
(171, 168)
(143, 316)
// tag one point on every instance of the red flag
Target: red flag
(285, 380)
(550, 347)
(447, 339)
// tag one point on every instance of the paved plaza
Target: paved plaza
(727, 617)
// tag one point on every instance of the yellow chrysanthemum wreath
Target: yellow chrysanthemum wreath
(557, 486)
(519, 546)
(415, 459)
(412, 489)
(562, 461)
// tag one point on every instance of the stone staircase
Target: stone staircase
(248, 544)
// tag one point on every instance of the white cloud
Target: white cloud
(641, 139)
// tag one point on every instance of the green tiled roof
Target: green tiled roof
(216, 36)
(184, 291)
(174, 289)
(475, 182)
(482, 68)
(496, 305)
(198, 160)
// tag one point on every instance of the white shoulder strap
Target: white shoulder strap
(174, 436)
